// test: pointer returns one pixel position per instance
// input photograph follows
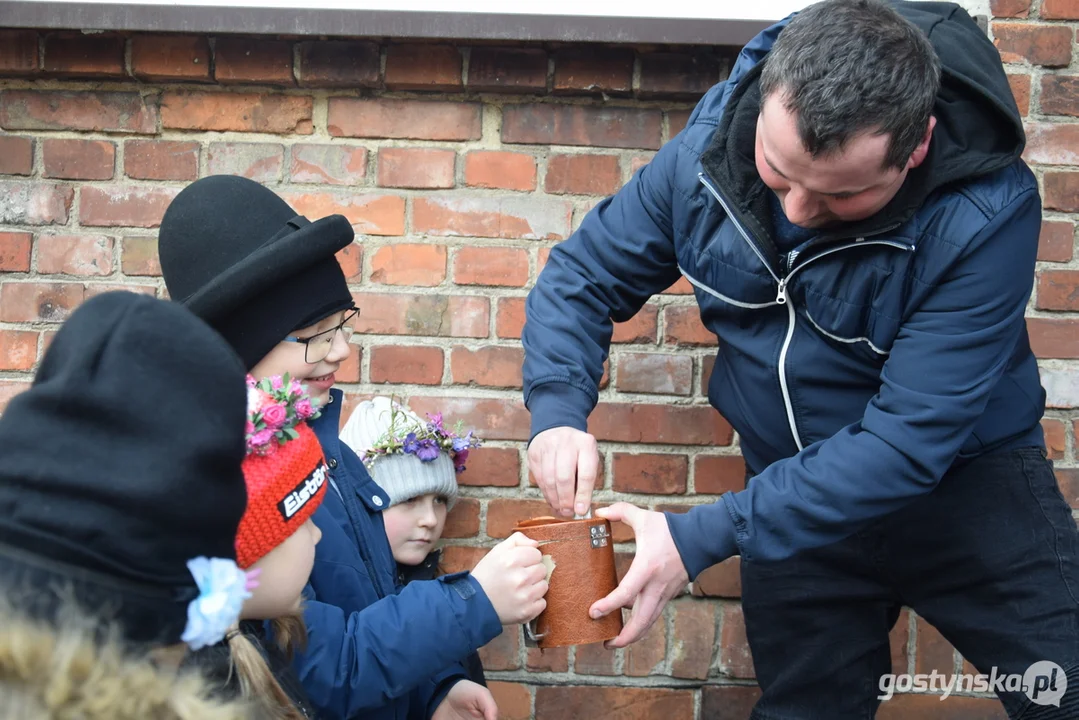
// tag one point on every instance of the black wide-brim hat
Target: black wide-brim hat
(240, 258)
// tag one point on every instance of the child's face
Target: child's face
(285, 571)
(291, 357)
(414, 526)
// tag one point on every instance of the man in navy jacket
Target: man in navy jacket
(852, 211)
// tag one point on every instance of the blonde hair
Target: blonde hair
(257, 681)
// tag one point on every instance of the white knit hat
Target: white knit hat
(402, 476)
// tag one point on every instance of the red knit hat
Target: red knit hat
(285, 469)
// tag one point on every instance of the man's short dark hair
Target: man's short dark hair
(845, 67)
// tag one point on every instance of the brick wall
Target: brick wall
(460, 167)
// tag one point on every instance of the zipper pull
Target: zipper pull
(781, 296)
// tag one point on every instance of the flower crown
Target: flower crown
(275, 406)
(425, 441)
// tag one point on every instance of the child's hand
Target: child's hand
(514, 579)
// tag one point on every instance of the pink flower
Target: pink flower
(249, 428)
(295, 388)
(262, 437)
(251, 382)
(274, 416)
(304, 409)
(277, 382)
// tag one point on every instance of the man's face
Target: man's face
(819, 192)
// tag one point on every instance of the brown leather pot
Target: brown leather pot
(583, 555)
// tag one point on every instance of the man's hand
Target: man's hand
(655, 576)
(565, 462)
(467, 700)
(514, 578)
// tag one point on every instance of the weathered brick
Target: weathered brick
(261, 162)
(15, 251)
(423, 67)
(650, 473)
(417, 364)
(1037, 43)
(681, 286)
(404, 119)
(456, 558)
(899, 643)
(1020, 86)
(1060, 95)
(253, 60)
(735, 658)
(328, 164)
(138, 256)
(1061, 191)
(71, 55)
(583, 174)
(497, 467)
(339, 63)
(492, 366)
(350, 258)
(369, 214)
(1068, 481)
(501, 267)
(75, 254)
(1055, 443)
(16, 155)
(427, 315)
(126, 206)
(18, 52)
(933, 651)
(595, 659)
(1052, 143)
(463, 521)
(500, 419)
(78, 159)
(1058, 290)
(78, 110)
(496, 69)
(161, 160)
(503, 515)
(593, 71)
(510, 318)
(1052, 338)
(641, 328)
(684, 327)
(1056, 241)
(241, 112)
(606, 701)
(1009, 8)
(694, 629)
(676, 121)
(18, 349)
(677, 75)
(660, 424)
(645, 657)
(728, 702)
(717, 474)
(550, 660)
(529, 218)
(422, 168)
(500, 170)
(502, 653)
(161, 58)
(1060, 10)
(349, 370)
(9, 389)
(533, 124)
(34, 301)
(408, 264)
(513, 699)
(654, 373)
(23, 202)
(721, 580)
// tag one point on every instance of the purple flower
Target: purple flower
(436, 422)
(427, 450)
(410, 445)
(459, 459)
(462, 444)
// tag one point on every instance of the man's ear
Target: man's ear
(918, 156)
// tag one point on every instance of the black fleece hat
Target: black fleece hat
(122, 462)
(241, 259)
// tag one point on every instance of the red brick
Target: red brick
(9, 389)
(639, 161)
(500, 267)
(16, 155)
(18, 349)
(261, 162)
(934, 652)
(548, 660)
(917, 705)
(493, 366)
(18, 52)
(161, 160)
(369, 214)
(510, 318)
(78, 110)
(1068, 481)
(723, 580)
(404, 119)
(641, 328)
(494, 418)
(684, 327)
(650, 473)
(1061, 191)
(677, 120)
(616, 127)
(677, 75)
(500, 170)
(645, 657)
(1055, 443)
(1060, 95)
(489, 466)
(405, 264)
(240, 112)
(595, 659)
(694, 638)
(504, 652)
(728, 702)
(593, 71)
(660, 424)
(15, 251)
(1052, 338)
(328, 164)
(503, 515)
(34, 301)
(419, 365)
(1052, 143)
(655, 373)
(457, 558)
(1060, 10)
(424, 315)
(1020, 85)
(23, 202)
(75, 254)
(161, 58)
(1040, 44)
(717, 474)
(493, 69)
(1009, 8)
(416, 168)
(349, 370)
(350, 259)
(95, 289)
(463, 521)
(1056, 241)
(423, 67)
(138, 257)
(510, 216)
(735, 659)
(583, 174)
(681, 286)
(513, 699)
(1058, 290)
(339, 63)
(78, 159)
(253, 60)
(127, 206)
(73, 56)
(899, 643)
(612, 702)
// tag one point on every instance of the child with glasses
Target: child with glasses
(267, 279)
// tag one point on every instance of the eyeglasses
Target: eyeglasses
(317, 347)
